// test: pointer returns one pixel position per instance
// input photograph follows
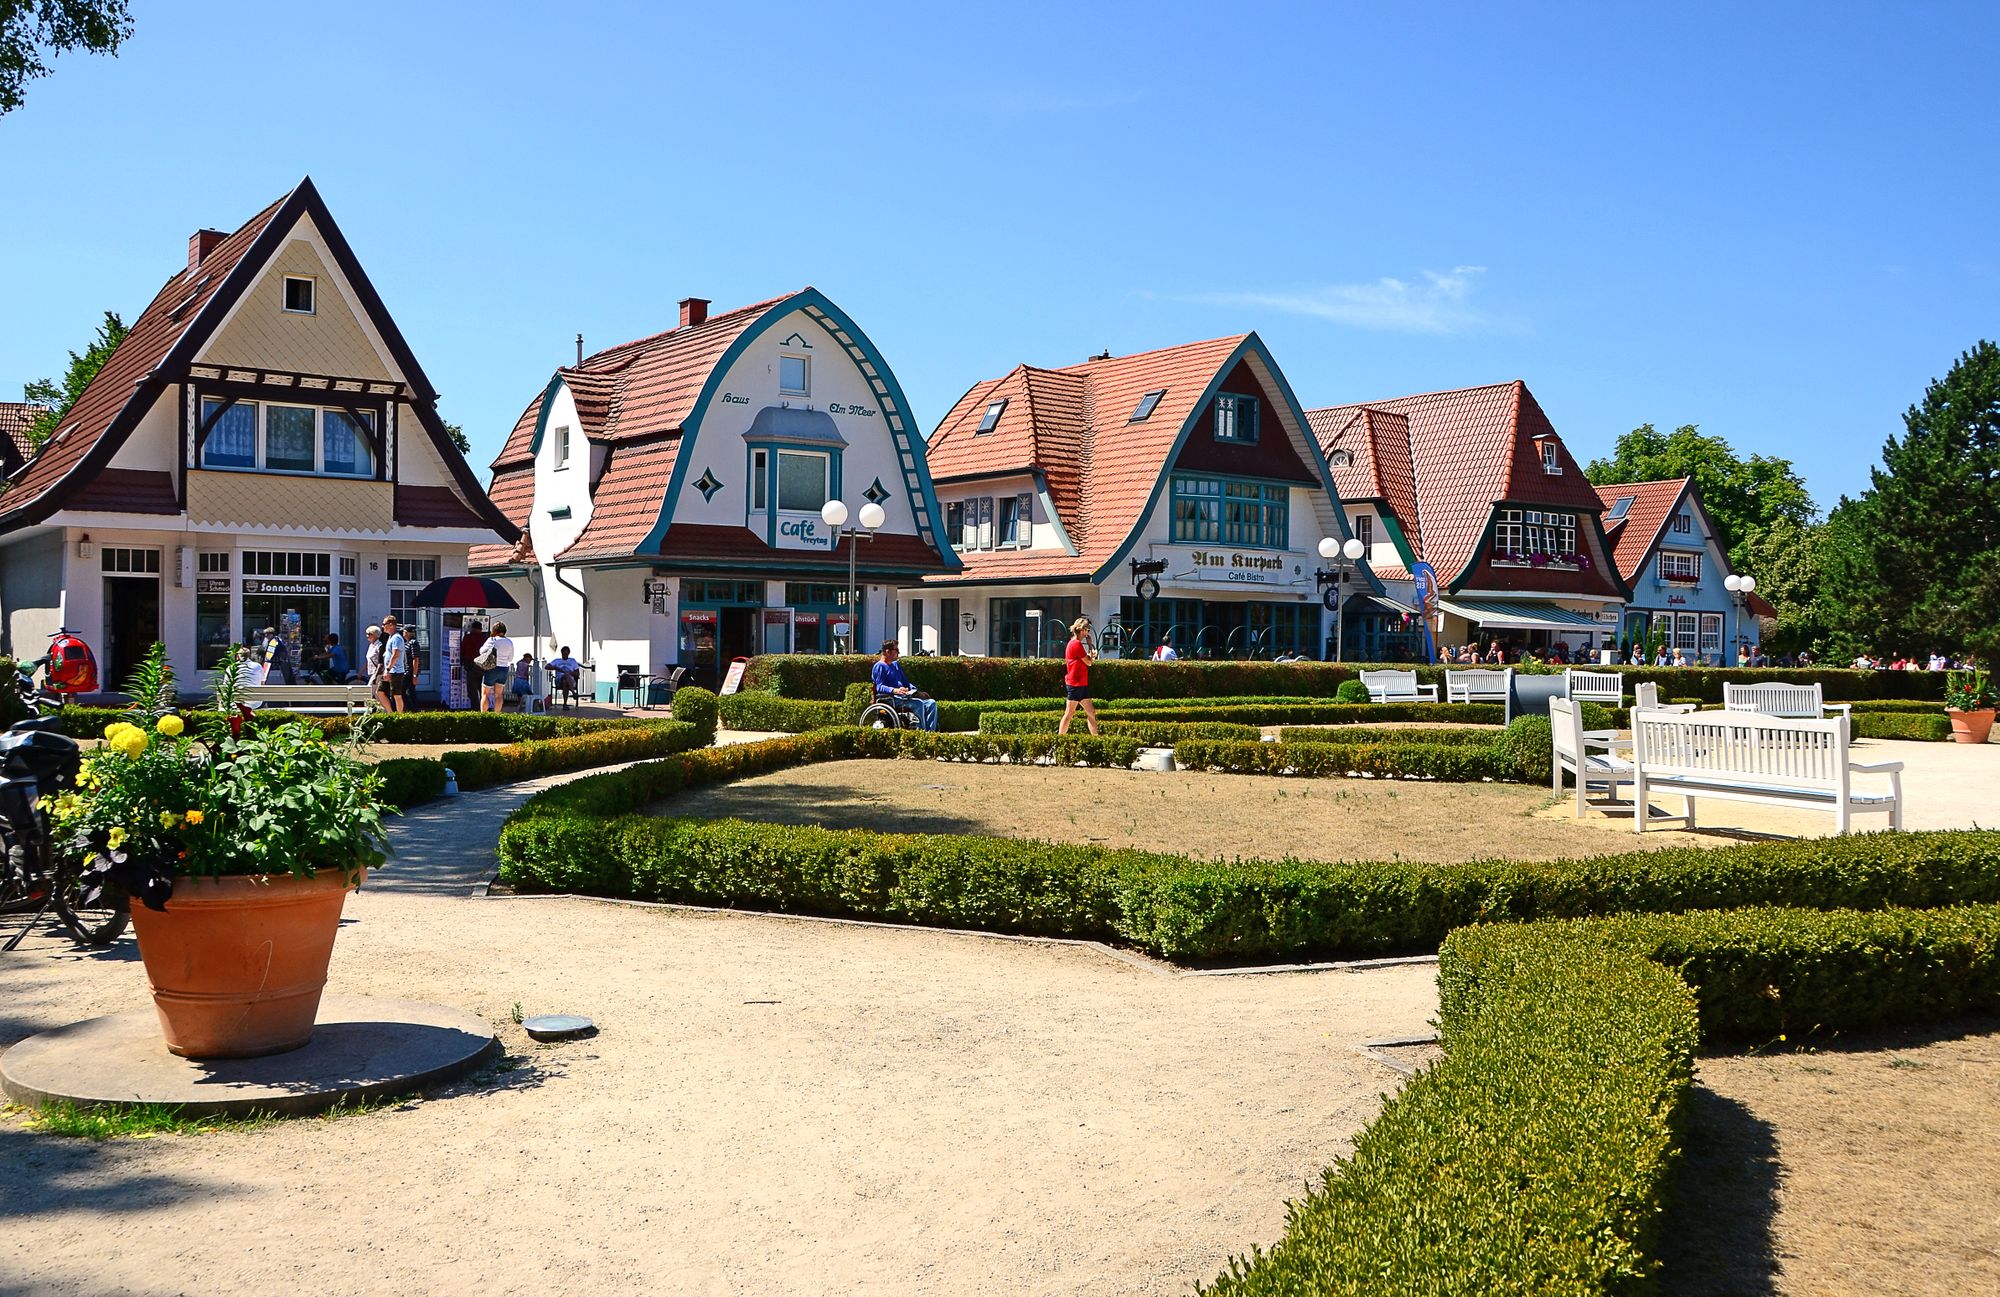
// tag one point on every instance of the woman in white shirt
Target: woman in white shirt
(496, 661)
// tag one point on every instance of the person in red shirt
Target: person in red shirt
(1076, 676)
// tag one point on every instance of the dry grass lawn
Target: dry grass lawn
(1220, 816)
(1868, 1166)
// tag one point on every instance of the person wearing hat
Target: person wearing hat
(277, 657)
(1076, 676)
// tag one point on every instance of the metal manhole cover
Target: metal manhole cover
(559, 1026)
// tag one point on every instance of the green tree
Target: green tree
(1789, 562)
(458, 438)
(1916, 569)
(31, 29)
(1742, 496)
(57, 398)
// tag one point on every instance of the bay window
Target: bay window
(801, 481)
(1226, 511)
(280, 438)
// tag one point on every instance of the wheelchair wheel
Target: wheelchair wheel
(881, 716)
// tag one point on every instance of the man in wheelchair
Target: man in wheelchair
(894, 689)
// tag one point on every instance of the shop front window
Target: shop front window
(1031, 628)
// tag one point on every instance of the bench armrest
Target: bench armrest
(1432, 690)
(1876, 767)
(1838, 709)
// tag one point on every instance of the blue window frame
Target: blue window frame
(1235, 417)
(1231, 511)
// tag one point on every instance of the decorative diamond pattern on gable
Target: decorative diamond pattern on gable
(708, 484)
(876, 492)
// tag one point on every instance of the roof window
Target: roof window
(1551, 459)
(1340, 459)
(992, 415)
(1620, 507)
(1147, 404)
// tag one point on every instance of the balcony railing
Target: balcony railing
(1560, 562)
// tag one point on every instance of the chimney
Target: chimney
(201, 243)
(694, 310)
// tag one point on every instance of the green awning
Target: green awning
(1522, 614)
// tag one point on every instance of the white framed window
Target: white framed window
(300, 294)
(284, 438)
(1016, 521)
(1686, 632)
(1680, 565)
(991, 418)
(411, 571)
(1711, 634)
(288, 562)
(561, 448)
(1507, 544)
(1683, 524)
(760, 467)
(1235, 417)
(795, 375)
(954, 524)
(801, 480)
(1364, 529)
(1551, 459)
(212, 561)
(135, 562)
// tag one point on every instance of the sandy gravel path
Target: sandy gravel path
(774, 1106)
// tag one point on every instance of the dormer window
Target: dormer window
(991, 418)
(1683, 524)
(299, 294)
(1340, 459)
(1551, 459)
(795, 376)
(1235, 417)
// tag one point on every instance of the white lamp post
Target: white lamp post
(1739, 586)
(1341, 556)
(834, 514)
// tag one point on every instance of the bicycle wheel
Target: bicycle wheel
(97, 923)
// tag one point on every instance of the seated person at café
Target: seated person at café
(892, 685)
(564, 672)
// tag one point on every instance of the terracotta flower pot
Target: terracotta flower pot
(237, 964)
(1970, 727)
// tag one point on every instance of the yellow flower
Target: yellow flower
(194, 817)
(168, 819)
(171, 726)
(131, 741)
(116, 838)
(111, 730)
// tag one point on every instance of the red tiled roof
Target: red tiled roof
(513, 494)
(626, 504)
(1469, 449)
(1382, 469)
(174, 309)
(1632, 536)
(741, 549)
(15, 419)
(1074, 424)
(127, 490)
(642, 388)
(432, 506)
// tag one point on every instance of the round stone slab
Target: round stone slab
(362, 1048)
(559, 1026)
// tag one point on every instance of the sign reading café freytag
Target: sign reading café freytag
(804, 531)
(1230, 567)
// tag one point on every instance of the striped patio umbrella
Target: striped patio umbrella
(464, 592)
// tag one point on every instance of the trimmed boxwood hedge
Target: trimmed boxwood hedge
(408, 781)
(1370, 734)
(826, 677)
(1930, 727)
(427, 727)
(1153, 734)
(755, 709)
(1535, 1156)
(1451, 762)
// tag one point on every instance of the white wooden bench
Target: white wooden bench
(1797, 702)
(1606, 687)
(309, 700)
(1750, 757)
(1646, 698)
(1478, 686)
(1397, 687)
(1596, 759)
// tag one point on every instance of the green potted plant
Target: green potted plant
(239, 844)
(1969, 699)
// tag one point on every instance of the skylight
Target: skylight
(1619, 507)
(1146, 404)
(992, 415)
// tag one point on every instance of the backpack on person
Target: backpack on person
(72, 666)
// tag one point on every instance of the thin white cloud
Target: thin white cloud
(1434, 303)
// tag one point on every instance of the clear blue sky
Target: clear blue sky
(1778, 222)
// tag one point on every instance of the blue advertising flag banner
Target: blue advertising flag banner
(1427, 581)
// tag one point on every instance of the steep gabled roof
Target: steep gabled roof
(1377, 443)
(1074, 424)
(170, 332)
(1469, 449)
(1633, 536)
(16, 417)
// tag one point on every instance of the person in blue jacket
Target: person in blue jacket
(890, 682)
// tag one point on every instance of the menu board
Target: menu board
(734, 680)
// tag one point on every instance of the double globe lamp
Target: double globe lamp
(834, 514)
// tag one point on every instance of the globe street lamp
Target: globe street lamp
(834, 514)
(1738, 587)
(1333, 582)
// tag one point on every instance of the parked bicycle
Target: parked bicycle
(38, 760)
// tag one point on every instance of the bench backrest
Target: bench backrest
(1594, 686)
(1801, 701)
(1390, 686)
(1477, 686)
(1743, 745)
(1566, 725)
(1645, 697)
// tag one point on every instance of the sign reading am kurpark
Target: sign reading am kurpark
(1229, 566)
